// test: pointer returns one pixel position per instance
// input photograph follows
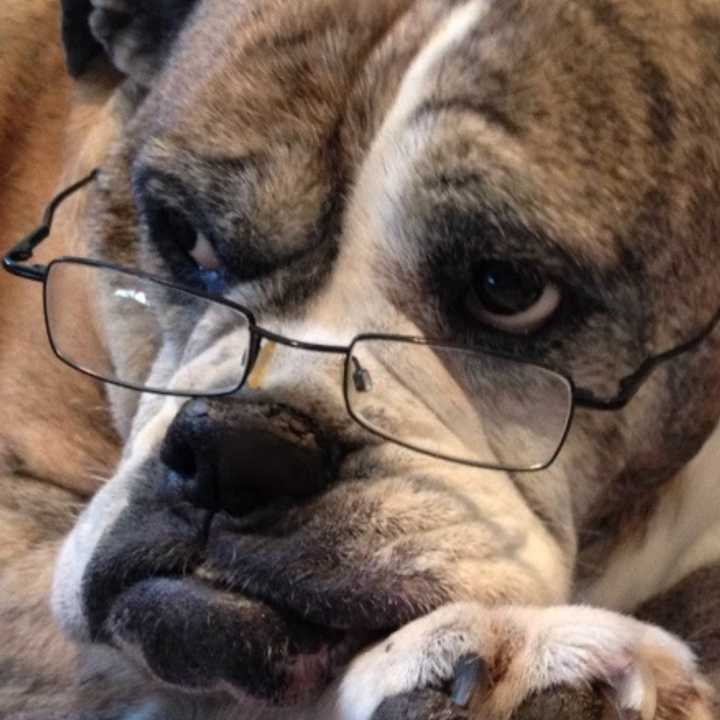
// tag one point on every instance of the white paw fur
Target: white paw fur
(649, 673)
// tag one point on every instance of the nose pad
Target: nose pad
(240, 457)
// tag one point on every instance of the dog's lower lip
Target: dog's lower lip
(193, 635)
(270, 605)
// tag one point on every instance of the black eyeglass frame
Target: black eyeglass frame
(579, 397)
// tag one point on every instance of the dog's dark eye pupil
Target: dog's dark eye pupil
(173, 227)
(504, 288)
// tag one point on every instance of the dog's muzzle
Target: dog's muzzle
(250, 553)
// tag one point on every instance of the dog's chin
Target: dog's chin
(269, 607)
(203, 639)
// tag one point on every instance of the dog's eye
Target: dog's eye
(170, 226)
(203, 253)
(510, 297)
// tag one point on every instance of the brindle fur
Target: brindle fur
(353, 181)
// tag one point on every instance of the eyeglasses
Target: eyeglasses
(474, 407)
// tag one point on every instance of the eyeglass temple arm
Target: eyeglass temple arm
(23, 251)
(631, 384)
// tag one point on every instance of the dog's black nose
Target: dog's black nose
(240, 457)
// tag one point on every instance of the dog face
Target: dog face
(341, 168)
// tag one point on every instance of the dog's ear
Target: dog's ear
(80, 45)
(136, 35)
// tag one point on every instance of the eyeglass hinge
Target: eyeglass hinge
(22, 252)
(29, 272)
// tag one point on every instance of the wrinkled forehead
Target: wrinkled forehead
(556, 115)
(261, 79)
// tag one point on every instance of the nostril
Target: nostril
(180, 458)
(191, 473)
(188, 480)
(180, 449)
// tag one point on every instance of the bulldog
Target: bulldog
(402, 316)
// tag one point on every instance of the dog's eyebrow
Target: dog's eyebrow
(463, 202)
(224, 166)
(467, 105)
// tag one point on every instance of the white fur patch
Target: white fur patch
(100, 515)
(682, 536)
(451, 33)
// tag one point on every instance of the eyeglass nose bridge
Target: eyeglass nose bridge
(264, 347)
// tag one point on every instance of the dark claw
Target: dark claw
(471, 677)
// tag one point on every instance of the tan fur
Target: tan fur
(56, 446)
(43, 120)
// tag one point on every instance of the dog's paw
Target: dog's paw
(525, 663)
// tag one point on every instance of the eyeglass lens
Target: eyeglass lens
(205, 344)
(459, 404)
